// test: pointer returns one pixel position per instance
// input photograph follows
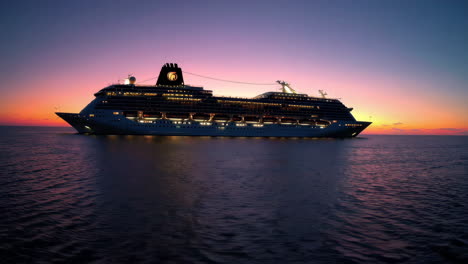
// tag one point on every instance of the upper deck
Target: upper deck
(170, 94)
(199, 92)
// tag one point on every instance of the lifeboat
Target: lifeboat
(307, 122)
(236, 118)
(288, 121)
(270, 120)
(177, 115)
(201, 117)
(221, 118)
(251, 119)
(152, 115)
(323, 123)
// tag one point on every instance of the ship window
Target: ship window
(116, 113)
(91, 115)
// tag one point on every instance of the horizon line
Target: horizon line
(362, 134)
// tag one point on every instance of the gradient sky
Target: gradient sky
(401, 64)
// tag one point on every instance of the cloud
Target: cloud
(451, 129)
(455, 131)
(394, 124)
(425, 131)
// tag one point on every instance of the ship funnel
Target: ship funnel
(170, 75)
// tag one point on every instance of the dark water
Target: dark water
(375, 199)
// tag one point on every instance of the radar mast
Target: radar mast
(286, 88)
(322, 93)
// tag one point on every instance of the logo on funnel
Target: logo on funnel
(172, 76)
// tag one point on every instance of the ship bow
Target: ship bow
(76, 121)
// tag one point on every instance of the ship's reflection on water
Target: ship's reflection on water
(247, 200)
(218, 199)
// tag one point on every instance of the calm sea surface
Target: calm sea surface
(375, 199)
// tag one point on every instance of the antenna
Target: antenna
(322, 93)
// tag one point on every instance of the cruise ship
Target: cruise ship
(172, 108)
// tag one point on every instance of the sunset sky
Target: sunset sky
(401, 64)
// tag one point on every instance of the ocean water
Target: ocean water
(70, 198)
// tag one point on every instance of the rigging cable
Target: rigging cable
(222, 80)
(154, 78)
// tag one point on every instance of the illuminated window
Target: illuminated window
(91, 115)
(116, 113)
